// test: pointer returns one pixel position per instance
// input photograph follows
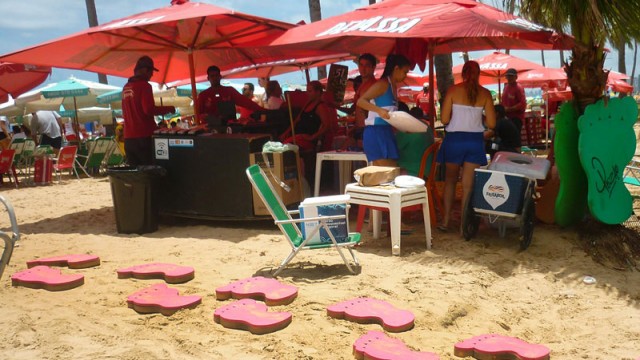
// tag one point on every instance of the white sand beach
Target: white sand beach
(457, 290)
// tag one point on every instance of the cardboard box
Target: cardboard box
(325, 206)
(283, 167)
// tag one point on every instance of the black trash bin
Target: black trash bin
(135, 201)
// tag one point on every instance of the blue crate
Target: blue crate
(499, 193)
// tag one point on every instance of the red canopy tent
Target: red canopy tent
(421, 28)
(16, 79)
(183, 39)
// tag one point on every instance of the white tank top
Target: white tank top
(465, 118)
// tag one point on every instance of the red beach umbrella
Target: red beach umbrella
(16, 79)
(543, 77)
(183, 39)
(273, 68)
(417, 28)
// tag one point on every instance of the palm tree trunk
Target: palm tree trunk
(444, 77)
(371, 2)
(315, 14)
(633, 67)
(622, 52)
(92, 16)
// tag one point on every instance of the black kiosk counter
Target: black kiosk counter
(206, 174)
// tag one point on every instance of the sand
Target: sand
(457, 290)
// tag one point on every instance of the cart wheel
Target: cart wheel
(470, 220)
(528, 217)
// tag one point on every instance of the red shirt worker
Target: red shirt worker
(217, 104)
(138, 110)
(513, 99)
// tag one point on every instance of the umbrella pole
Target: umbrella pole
(76, 125)
(306, 73)
(293, 132)
(194, 93)
(546, 115)
(432, 103)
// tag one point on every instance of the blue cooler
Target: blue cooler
(499, 193)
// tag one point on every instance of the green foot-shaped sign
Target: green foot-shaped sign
(607, 144)
(571, 203)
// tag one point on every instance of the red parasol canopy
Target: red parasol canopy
(417, 28)
(273, 68)
(16, 79)
(543, 78)
(494, 66)
(183, 39)
(411, 27)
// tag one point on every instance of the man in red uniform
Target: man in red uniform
(217, 104)
(513, 99)
(138, 110)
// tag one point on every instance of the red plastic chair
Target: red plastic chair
(65, 160)
(7, 166)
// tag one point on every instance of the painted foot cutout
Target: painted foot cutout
(248, 314)
(368, 311)
(375, 345)
(494, 346)
(44, 277)
(75, 261)
(173, 274)
(607, 144)
(271, 291)
(162, 299)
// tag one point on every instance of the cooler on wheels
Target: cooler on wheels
(504, 193)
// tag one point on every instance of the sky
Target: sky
(30, 22)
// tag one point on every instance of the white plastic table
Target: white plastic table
(394, 199)
(344, 159)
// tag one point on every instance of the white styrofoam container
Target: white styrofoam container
(325, 206)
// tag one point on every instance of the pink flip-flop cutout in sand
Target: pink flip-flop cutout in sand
(171, 273)
(162, 299)
(375, 345)
(271, 291)
(494, 346)
(75, 261)
(44, 277)
(253, 316)
(368, 311)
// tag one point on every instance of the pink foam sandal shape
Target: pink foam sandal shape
(44, 277)
(271, 291)
(375, 345)
(492, 346)
(75, 261)
(248, 314)
(162, 299)
(171, 273)
(368, 310)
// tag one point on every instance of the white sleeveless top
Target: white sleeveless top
(465, 118)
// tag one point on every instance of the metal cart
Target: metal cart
(504, 193)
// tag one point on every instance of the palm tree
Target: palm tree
(92, 16)
(315, 14)
(591, 22)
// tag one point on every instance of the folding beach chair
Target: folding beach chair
(289, 227)
(114, 156)
(631, 174)
(6, 165)
(97, 149)
(65, 161)
(9, 240)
